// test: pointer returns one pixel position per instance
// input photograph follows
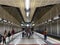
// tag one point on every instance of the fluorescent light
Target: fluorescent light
(27, 14)
(49, 20)
(27, 4)
(33, 24)
(27, 25)
(9, 22)
(22, 25)
(5, 20)
(57, 17)
(0, 19)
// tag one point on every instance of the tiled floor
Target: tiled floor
(36, 39)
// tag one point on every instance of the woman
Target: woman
(4, 37)
(45, 34)
(12, 32)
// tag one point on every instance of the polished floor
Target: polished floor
(36, 39)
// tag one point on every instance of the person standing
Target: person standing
(9, 34)
(12, 32)
(45, 34)
(4, 37)
(23, 34)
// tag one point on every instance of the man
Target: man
(9, 34)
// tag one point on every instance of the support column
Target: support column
(57, 27)
(51, 27)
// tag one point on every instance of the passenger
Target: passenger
(45, 34)
(9, 34)
(0, 38)
(23, 34)
(29, 32)
(12, 32)
(32, 30)
(4, 37)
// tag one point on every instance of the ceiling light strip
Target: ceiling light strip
(27, 4)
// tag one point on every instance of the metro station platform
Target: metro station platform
(42, 16)
(36, 39)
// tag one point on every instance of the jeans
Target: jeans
(45, 37)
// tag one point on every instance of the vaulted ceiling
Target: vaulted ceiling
(40, 11)
(35, 6)
(14, 11)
